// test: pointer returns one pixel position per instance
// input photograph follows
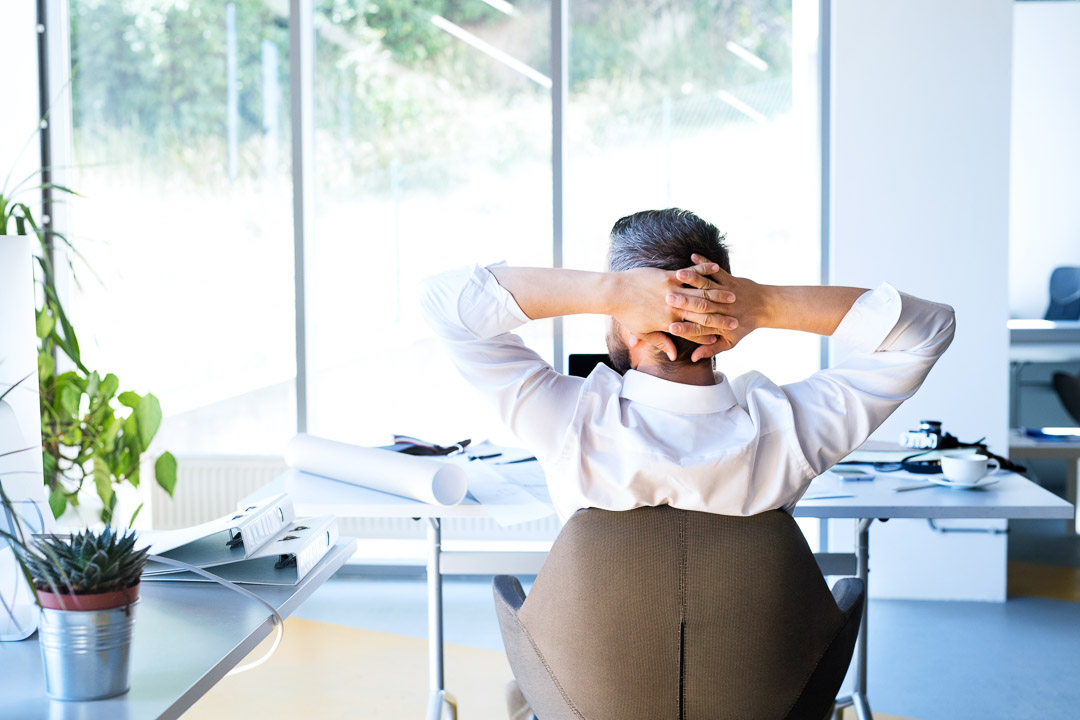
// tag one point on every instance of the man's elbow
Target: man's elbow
(947, 329)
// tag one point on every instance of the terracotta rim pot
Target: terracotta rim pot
(91, 601)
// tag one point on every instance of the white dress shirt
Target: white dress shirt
(739, 447)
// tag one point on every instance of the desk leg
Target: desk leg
(862, 565)
(1072, 471)
(1014, 393)
(438, 707)
(858, 697)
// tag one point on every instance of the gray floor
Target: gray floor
(928, 660)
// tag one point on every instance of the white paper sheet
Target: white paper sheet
(827, 486)
(506, 502)
(430, 481)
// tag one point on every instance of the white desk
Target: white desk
(1013, 497)
(1045, 332)
(1039, 341)
(1023, 446)
(187, 637)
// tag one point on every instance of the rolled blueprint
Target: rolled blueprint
(422, 479)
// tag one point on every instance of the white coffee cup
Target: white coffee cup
(967, 468)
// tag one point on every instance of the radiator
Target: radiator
(209, 486)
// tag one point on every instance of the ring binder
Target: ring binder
(260, 544)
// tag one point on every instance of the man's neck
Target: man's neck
(699, 373)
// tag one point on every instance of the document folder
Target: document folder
(261, 544)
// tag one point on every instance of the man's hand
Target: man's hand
(642, 303)
(810, 309)
(638, 299)
(702, 308)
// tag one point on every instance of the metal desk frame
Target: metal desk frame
(1013, 497)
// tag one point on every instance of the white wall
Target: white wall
(19, 110)
(18, 353)
(1044, 229)
(920, 197)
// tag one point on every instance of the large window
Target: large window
(181, 149)
(706, 106)
(432, 149)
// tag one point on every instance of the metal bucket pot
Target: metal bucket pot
(86, 652)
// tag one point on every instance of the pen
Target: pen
(513, 462)
(905, 488)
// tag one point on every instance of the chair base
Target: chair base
(857, 701)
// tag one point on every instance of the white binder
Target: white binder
(263, 544)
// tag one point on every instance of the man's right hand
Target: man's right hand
(810, 309)
(750, 308)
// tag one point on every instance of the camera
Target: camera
(927, 437)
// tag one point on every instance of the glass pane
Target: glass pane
(709, 107)
(185, 216)
(433, 151)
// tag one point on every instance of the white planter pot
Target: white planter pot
(20, 421)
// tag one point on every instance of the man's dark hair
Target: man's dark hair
(665, 239)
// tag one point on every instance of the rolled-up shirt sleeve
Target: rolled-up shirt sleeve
(896, 339)
(474, 316)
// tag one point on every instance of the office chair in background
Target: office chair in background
(1064, 294)
(1065, 305)
(662, 614)
(1068, 391)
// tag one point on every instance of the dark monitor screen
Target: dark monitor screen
(582, 364)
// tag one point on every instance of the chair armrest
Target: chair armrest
(508, 589)
(848, 593)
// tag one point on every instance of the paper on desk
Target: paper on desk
(517, 466)
(827, 486)
(529, 476)
(504, 500)
(424, 479)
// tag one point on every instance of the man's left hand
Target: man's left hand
(645, 304)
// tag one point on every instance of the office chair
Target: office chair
(1064, 294)
(658, 613)
(1068, 391)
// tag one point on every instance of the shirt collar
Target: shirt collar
(677, 397)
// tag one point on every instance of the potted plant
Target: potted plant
(87, 586)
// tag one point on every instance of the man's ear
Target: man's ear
(632, 340)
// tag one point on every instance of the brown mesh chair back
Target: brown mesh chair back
(658, 614)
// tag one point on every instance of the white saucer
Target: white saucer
(981, 482)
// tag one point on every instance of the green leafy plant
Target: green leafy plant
(91, 431)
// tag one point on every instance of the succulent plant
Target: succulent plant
(88, 562)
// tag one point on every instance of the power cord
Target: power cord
(275, 616)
